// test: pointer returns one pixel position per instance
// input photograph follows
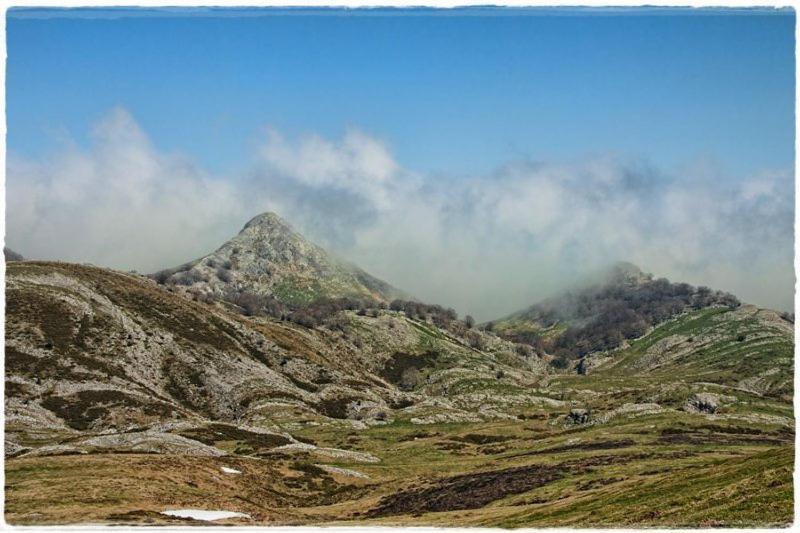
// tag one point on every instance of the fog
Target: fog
(484, 245)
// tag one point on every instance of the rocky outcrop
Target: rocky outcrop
(578, 416)
(150, 442)
(703, 402)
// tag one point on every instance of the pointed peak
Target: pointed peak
(269, 257)
(267, 220)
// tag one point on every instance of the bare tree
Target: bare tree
(469, 321)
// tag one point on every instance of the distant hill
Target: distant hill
(11, 255)
(269, 258)
(622, 303)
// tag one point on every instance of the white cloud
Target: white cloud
(357, 164)
(119, 203)
(486, 246)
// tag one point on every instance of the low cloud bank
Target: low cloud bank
(486, 245)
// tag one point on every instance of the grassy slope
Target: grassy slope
(726, 478)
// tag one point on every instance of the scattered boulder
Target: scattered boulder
(366, 410)
(703, 402)
(578, 416)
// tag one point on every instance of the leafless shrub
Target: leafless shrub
(224, 275)
(475, 339)
(187, 278)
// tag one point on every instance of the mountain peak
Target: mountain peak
(270, 258)
(267, 220)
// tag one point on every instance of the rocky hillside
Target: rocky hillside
(268, 257)
(89, 349)
(11, 255)
(741, 350)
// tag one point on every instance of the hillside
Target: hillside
(621, 304)
(125, 397)
(11, 255)
(268, 257)
(93, 349)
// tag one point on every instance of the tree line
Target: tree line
(602, 319)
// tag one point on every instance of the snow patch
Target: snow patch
(229, 470)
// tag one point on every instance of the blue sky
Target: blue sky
(451, 93)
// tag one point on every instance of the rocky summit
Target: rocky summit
(629, 401)
(268, 257)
